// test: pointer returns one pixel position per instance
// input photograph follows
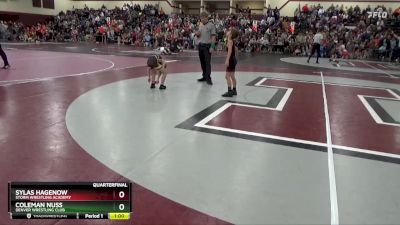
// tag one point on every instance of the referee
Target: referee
(316, 46)
(206, 35)
(4, 57)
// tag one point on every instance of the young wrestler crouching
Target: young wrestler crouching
(157, 67)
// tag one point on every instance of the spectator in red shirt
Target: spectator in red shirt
(305, 9)
(102, 31)
(233, 22)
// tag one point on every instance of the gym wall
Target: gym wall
(26, 6)
(289, 8)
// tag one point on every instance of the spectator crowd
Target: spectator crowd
(348, 32)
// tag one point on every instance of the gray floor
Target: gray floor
(131, 129)
(392, 107)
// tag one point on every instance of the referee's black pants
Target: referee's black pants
(205, 60)
(315, 47)
(3, 56)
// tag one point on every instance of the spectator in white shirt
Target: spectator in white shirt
(316, 46)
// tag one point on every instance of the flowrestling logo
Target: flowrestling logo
(379, 13)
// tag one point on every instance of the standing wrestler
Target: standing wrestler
(230, 63)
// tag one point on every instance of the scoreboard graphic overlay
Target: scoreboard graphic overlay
(69, 200)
